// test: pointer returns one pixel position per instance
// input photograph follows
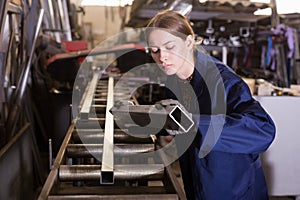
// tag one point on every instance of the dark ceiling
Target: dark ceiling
(235, 10)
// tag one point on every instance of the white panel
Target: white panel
(281, 161)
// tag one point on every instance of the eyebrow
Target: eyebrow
(162, 44)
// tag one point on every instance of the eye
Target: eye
(154, 49)
(170, 46)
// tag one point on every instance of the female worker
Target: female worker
(216, 166)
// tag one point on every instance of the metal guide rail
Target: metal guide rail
(98, 160)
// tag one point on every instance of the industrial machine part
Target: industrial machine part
(99, 160)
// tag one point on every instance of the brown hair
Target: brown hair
(173, 21)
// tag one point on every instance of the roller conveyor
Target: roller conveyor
(98, 160)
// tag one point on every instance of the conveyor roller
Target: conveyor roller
(121, 172)
(99, 160)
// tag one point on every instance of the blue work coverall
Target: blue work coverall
(226, 166)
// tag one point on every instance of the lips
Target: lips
(166, 65)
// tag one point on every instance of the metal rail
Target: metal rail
(98, 160)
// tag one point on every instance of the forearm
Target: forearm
(236, 133)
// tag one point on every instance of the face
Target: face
(169, 51)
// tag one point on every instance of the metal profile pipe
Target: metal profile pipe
(169, 116)
(121, 172)
(89, 150)
(18, 94)
(88, 99)
(107, 167)
(3, 15)
(66, 6)
(12, 8)
(116, 197)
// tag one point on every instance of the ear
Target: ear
(189, 41)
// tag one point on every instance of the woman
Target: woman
(223, 160)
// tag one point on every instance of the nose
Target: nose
(163, 55)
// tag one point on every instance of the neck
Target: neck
(188, 68)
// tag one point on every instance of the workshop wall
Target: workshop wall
(102, 21)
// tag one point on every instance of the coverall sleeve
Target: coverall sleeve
(245, 127)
